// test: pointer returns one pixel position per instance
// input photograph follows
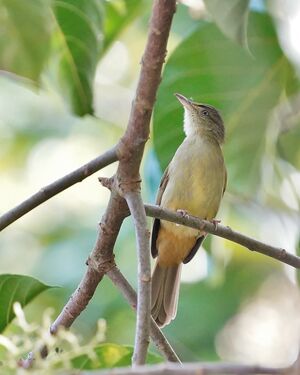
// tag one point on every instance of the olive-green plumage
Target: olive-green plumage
(194, 181)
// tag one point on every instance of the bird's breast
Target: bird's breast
(196, 179)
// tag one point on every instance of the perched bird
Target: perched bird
(194, 182)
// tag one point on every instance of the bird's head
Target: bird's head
(202, 119)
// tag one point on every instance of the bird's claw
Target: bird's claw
(183, 213)
(215, 223)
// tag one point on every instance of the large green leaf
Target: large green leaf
(108, 356)
(213, 69)
(118, 14)
(231, 17)
(24, 36)
(16, 288)
(78, 44)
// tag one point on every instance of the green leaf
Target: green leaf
(126, 360)
(231, 16)
(16, 288)
(25, 36)
(108, 356)
(212, 69)
(118, 14)
(78, 44)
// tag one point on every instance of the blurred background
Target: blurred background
(235, 305)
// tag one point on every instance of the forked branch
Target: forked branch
(156, 334)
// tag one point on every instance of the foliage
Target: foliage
(17, 288)
(47, 129)
(78, 42)
(231, 17)
(26, 40)
(119, 14)
(75, 32)
(66, 351)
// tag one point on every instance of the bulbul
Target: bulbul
(194, 182)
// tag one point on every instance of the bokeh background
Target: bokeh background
(235, 305)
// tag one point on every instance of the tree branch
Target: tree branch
(222, 231)
(195, 369)
(156, 334)
(58, 186)
(137, 210)
(99, 262)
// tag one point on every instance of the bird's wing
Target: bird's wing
(162, 186)
(156, 223)
(193, 250)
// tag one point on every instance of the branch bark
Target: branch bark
(58, 186)
(224, 231)
(196, 369)
(156, 334)
(137, 210)
(99, 262)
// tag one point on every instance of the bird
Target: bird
(193, 183)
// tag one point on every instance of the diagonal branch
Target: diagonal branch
(156, 334)
(58, 186)
(226, 232)
(100, 260)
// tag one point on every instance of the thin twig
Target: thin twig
(195, 369)
(142, 332)
(58, 186)
(156, 334)
(224, 231)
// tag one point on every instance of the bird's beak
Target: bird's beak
(184, 101)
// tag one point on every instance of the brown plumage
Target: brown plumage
(194, 181)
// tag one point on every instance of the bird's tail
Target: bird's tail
(165, 292)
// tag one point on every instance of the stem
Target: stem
(142, 332)
(156, 334)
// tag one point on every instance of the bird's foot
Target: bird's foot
(215, 222)
(183, 213)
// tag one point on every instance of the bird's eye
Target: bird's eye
(205, 113)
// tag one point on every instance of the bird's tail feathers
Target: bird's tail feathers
(165, 293)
